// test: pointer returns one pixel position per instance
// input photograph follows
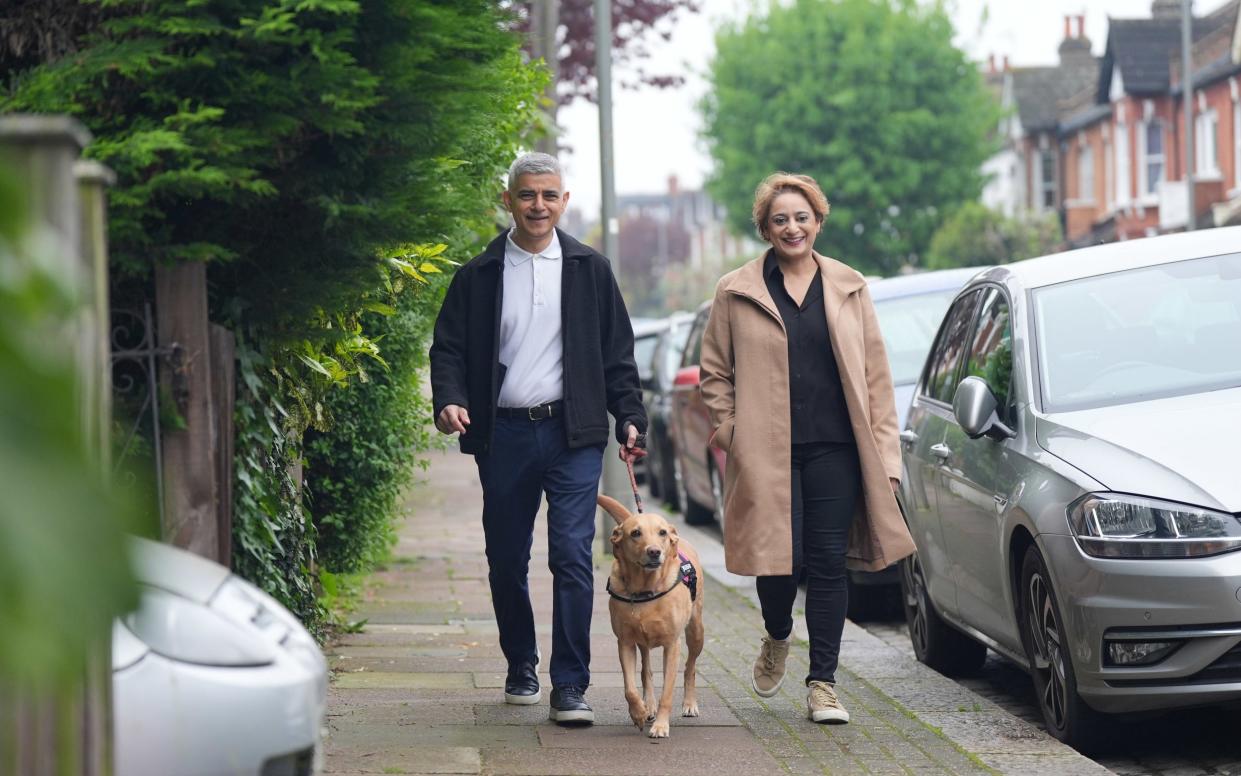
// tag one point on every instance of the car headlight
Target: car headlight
(1112, 525)
(182, 630)
(244, 604)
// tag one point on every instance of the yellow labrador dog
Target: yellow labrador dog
(656, 594)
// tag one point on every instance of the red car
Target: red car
(699, 468)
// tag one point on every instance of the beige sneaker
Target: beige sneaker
(824, 706)
(769, 666)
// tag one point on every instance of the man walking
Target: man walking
(532, 348)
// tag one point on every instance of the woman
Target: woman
(796, 379)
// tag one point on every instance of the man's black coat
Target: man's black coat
(599, 371)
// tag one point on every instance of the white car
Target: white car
(212, 676)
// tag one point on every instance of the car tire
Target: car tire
(1065, 714)
(935, 642)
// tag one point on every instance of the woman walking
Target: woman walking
(797, 382)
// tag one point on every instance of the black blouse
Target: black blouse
(816, 398)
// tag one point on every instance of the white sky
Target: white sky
(656, 131)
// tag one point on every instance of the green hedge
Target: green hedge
(355, 473)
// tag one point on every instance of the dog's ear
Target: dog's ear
(672, 534)
(614, 508)
(616, 535)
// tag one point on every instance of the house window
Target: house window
(1236, 137)
(1152, 156)
(1206, 151)
(1123, 187)
(1085, 174)
(1047, 179)
(1109, 175)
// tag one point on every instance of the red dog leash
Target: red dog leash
(638, 450)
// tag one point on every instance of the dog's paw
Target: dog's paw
(637, 713)
(658, 730)
(689, 710)
(650, 717)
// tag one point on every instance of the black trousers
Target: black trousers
(827, 479)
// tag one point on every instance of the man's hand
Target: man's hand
(452, 418)
(634, 447)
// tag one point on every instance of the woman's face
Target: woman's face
(792, 226)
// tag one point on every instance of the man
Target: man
(532, 348)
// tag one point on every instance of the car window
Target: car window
(672, 346)
(991, 350)
(941, 381)
(693, 353)
(643, 352)
(1167, 330)
(908, 324)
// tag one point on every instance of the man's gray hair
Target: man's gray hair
(533, 164)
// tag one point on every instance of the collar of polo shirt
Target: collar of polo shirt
(516, 255)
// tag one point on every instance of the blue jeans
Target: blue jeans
(527, 459)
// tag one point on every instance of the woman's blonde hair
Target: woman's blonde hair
(785, 182)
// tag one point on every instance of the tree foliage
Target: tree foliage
(296, 146)
(634, 23)
(976, 236)
(868, 96)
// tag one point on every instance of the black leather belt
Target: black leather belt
(553, 409)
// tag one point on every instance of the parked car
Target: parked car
(910, 308)
(698, 468)
(1071, 480)
(657, 395)
(210, 675)
(646, 333)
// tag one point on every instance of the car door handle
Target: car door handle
(941, 451)
(909, 436)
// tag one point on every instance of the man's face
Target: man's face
(536, 202)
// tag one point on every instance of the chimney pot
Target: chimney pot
(1068, 30)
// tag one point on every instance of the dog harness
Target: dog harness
(687, 577)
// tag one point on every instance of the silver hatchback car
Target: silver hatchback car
(1072, 479)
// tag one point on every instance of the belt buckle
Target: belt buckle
(530, 413)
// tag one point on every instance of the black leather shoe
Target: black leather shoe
(569, 706)
(521, 686)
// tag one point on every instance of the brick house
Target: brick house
(1123, 150)
(1119, 139)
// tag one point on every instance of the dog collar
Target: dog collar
(687, 577)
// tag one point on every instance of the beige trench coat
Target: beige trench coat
(745, 385)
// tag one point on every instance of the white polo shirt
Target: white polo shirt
(530, 341)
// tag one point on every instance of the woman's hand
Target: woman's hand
(896, 484)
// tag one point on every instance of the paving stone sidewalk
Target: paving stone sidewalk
(418, 691)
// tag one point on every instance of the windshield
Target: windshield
(677, 336)
(1147, 333)
(643, 352)
(908, 324)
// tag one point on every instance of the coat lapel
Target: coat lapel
(748, 282)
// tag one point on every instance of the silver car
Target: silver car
(1072, 483)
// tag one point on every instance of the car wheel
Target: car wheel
(717, 491)
(935, 642)
(1065, 714)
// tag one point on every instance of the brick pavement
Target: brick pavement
(418, 690)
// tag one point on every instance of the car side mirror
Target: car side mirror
(974, 406)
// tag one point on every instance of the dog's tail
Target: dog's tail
(614, 508)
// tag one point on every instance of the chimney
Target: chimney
(991, 63)
(1168, 9)
(673, 186)
(1075, 49)
(1007, 67)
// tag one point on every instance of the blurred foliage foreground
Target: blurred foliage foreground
(63, 567)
